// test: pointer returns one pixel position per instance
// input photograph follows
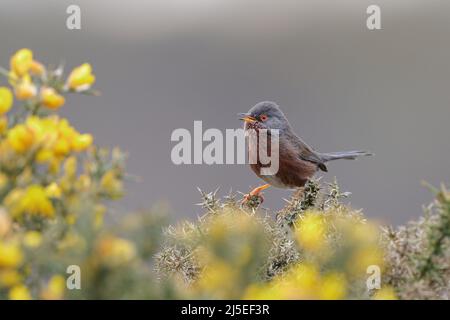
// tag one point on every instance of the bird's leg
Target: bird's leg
(258, 190)
(255, 195)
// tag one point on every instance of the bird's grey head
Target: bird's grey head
(265, 115)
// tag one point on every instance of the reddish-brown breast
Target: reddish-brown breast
(293, 172)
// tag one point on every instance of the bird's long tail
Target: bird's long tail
(349, 155)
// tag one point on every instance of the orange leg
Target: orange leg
(258, 190)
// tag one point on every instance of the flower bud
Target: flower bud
(51, 99)
(81, 77)
(21, 62)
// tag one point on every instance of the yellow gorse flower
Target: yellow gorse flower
(19, 292)
(54, 138)
(53, 191)
(364, 257)
(25, 89)
(82, 141)
(55, 288)
(37, 68)
(6, 100)
(21, 62)
(305, 277)
(34, 201)
(333, 286)
(51, 99)
(219, 278)
(9, 277)
(21, 138)
(311, 231)
(10, 255)
(302, 281)
(70, 167)
(99, 211)
(386, 293)
(115, 251)
(111, 184)
(81, 77)
(32, 239)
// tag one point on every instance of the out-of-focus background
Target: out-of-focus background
(162, 64)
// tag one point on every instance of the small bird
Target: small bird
(298, 162)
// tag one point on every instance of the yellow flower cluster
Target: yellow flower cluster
(51, 138)
(41, 184)
(10, 255)
(55, 288)
(33, 201)
(311, 232)
(24, 69)
(337, 250)
(21, 63)
(303, 281)
(11, 259)
(322, 236)
(232, 252)
(113, 251)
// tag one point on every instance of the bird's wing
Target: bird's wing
(307, 153)
(314, 158)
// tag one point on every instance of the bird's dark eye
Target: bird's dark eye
(263, 117)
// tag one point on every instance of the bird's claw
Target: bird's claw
(254, 199)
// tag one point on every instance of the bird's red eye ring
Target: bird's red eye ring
(263, 117)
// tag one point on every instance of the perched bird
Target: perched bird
(298, 162)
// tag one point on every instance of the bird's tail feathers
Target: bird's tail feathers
(349, 155)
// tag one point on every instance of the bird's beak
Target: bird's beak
(246, 117)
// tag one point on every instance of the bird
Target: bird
(298, 162)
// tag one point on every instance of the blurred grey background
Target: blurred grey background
(162, 64)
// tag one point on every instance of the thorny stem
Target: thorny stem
(4, 73)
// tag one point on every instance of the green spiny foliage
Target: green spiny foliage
(181, 241)
(418, 254)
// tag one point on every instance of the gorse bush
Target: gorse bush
(418, 254)
(316, 248)
(56, 186)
